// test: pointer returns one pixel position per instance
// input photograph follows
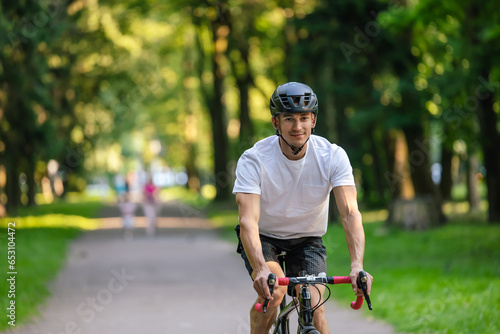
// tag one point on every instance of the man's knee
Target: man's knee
(278, 294)
(319, 314)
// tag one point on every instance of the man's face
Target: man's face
(295, 127)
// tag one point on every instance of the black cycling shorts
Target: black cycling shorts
(306, 253)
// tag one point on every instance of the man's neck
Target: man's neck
(288, 152)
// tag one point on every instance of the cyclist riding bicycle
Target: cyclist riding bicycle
(282, 189)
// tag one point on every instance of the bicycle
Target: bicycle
(303, 301)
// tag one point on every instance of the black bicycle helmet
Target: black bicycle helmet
(293, 97)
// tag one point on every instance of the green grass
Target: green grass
(186, 196)
(445, 280)
(83, 209)
(40, 254)
(42, 236)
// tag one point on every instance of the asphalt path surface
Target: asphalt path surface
(185, 279)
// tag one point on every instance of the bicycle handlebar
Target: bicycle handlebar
(314, 280)
(284, 281)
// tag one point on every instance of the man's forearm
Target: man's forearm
(253, 248)
(355, 237)
(248, 217)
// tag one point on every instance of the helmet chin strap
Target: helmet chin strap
(295, 152)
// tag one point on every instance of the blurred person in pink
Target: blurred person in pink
(150, 206)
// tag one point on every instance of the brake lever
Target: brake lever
(361, 282)
(271, 281)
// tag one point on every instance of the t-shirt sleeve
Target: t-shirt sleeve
(248, 175)
(341, 169)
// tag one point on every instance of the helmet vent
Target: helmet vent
(287, 101)
(307, 99)
(284, 101)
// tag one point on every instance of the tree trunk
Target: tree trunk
(220, 29)
(12, 185)
(243, 81)
(191, 133)
(30, 177)
(399, 180)
(327, 118)
(377, 166)
(488, 121)
(446, 175)
(194, 183)
(246, 126)
(490, 138)
(397, 175)
(420, 170)
(473, 196)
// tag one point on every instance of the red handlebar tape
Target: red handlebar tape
(336, 280)
(341, 280)
(358, 303)
(283, 280)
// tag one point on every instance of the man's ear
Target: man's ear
(274, 120)
(275, 124)
(314, 118)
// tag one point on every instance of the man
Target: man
(282, 189)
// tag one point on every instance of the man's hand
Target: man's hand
(354, 276)
(260, 284)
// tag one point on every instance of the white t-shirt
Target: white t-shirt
(294, 194)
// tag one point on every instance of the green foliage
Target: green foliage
(92, 84)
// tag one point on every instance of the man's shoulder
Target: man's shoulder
(262, 148)
(323, 144)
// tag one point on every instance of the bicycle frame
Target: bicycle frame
(282, 323)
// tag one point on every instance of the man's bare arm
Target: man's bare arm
(248, 216)
(347, 203)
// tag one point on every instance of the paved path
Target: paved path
(184, 280)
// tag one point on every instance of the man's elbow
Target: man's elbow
(247, 224)
(352, 216)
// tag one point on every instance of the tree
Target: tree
(29, 32)
(482, 33)
(467, 34)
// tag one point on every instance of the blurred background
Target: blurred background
(99, 96)
(96, 92)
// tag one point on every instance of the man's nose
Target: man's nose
(297, 125)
